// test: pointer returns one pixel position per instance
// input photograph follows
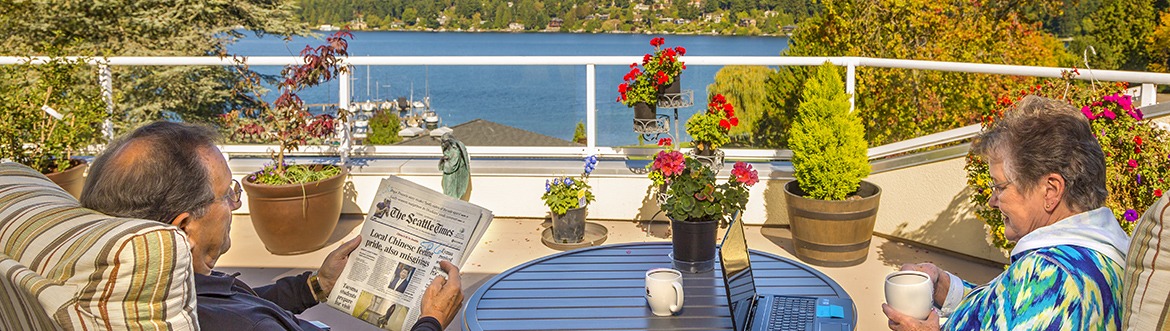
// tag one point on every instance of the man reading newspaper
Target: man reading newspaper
(409, 236)
(174, 173)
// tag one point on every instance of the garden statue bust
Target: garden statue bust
(456, 167)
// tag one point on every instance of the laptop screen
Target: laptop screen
(737, 275)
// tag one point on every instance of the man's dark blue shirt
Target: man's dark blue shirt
(227, 303)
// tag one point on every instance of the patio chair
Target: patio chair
(1147, 271)
(66, 267)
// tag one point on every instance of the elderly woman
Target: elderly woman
(1048, 177)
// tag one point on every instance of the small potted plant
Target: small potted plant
(831, 210)
(696, 204)
(50, 113)
(295, 208)
(655, 78)
(568, 199)
(709, 129)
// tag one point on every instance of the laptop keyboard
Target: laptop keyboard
(792, 313)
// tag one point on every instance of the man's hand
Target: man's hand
(444, 296)
(902, 322)
(334, 263)
(940, 279)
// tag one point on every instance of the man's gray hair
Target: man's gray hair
(169, 178)
(1039, 136)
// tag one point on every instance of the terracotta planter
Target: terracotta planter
(297, 218)
(694, 245)
(569, 228)
(72, 179)
(832, 233)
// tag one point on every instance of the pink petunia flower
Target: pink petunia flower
(1109, 114)
(1088, 113)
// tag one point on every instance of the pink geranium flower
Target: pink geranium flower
(744, 173)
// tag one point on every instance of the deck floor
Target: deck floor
(510, 242)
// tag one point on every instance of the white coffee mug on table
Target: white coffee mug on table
(664, 291)
(910, 293)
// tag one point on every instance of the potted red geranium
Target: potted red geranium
(696, 203)
(656, 78)
(709, 129)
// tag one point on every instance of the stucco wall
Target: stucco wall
(925, 203)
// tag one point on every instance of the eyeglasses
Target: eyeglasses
(996, 189)
(234, 194)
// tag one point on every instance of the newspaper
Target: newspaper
(408, 230)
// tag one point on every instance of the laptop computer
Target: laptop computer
(754, 311)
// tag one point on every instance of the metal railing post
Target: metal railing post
(106, 80)
(343, 102)
(591, 106)
(1149, 94)
(851, 83)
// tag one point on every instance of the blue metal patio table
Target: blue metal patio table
(603, 288)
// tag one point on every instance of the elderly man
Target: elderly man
(174, 173)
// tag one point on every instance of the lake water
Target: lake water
(545, 99)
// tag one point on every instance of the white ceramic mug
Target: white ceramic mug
(911, 293)
(664, 291)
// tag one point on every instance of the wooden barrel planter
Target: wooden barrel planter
(832, 233)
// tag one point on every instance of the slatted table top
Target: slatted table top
(603, 288)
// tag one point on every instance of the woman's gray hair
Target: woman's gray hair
(1039, 136)
(169, 178)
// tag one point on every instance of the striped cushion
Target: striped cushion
(67, 267)
(1147, 271)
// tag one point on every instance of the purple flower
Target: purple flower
(590, 164)
(547, 186)
(1136, 114)
(1131, 215)
(568, 181)
(1139, 179)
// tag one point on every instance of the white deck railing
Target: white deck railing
(1146, 93)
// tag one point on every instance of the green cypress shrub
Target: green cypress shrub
(827, 140)
(384, 127)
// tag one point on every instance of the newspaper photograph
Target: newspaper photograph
(408, 230)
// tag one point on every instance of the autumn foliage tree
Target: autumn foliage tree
(898, 104)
